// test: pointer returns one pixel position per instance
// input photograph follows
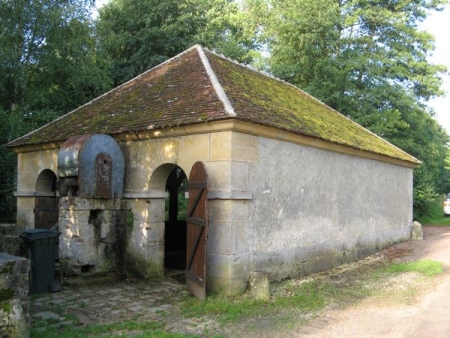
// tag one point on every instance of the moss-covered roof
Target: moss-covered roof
(198, 86)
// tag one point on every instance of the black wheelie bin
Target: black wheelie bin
(41, 250)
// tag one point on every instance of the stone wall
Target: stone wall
(14, 304)
(88, 234)
(313, 209)
(276, 204)
(10, 241)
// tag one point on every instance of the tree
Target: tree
(139, 34)
(368, 60)
(48, 66)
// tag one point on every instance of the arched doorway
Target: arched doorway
(175, 222)
(46, 203)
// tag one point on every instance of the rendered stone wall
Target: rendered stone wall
(313, 209)
(14, 304)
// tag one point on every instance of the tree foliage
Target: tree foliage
(48, 65)
(368, 60)
(139, 34)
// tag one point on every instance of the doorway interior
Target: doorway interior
(175, 224)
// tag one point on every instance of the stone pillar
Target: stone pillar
(417, 232)
(14, 304)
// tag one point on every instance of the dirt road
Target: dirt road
(422, 312)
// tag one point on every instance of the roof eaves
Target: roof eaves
(412, 159)
(215, 82)
(13, 143)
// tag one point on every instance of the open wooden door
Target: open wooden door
(197, 230)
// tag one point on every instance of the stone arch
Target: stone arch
(169, 178)
(46, 182)
(46, 203)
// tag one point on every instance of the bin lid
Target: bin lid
(32, 234)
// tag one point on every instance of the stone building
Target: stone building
(292, 186)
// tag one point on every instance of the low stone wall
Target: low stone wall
(10, 241)
(14, 303)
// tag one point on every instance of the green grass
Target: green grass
(305, 297)
(436, 214)
(124, 329)
(426, 267)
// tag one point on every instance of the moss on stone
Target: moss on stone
(7, 268)
(179, 92)
(272, 102)
(130, 222)
(6, 294)
(5, 306)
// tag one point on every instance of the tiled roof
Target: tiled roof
(199, 86)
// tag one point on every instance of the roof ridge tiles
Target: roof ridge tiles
(216, 83)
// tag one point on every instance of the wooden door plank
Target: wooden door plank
(197, 227)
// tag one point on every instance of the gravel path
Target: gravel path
(424, 315)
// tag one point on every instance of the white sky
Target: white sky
(437, 24)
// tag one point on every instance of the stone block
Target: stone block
(223, 210)
(141, 211)
(168, 149)
(221, 146)
(226, 286)
(417, 232)
(193, 148)
(219, 175)
(87, 204)
(14, 303)
(155, 261)
(156, 210)
(228, 266)
(155, 232)
(228, 176)
(227, 238)
(259, 285)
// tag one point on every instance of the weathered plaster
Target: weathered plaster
(313, 206)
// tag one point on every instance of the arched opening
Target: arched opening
(46, 182)
(175, 222)
(46, 203)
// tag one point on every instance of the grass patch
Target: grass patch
(124, 329)
(436, 214)
(425, 267)
(305, 297)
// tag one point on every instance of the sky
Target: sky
(437, 24)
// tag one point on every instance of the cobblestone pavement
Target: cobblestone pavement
(155, 300)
